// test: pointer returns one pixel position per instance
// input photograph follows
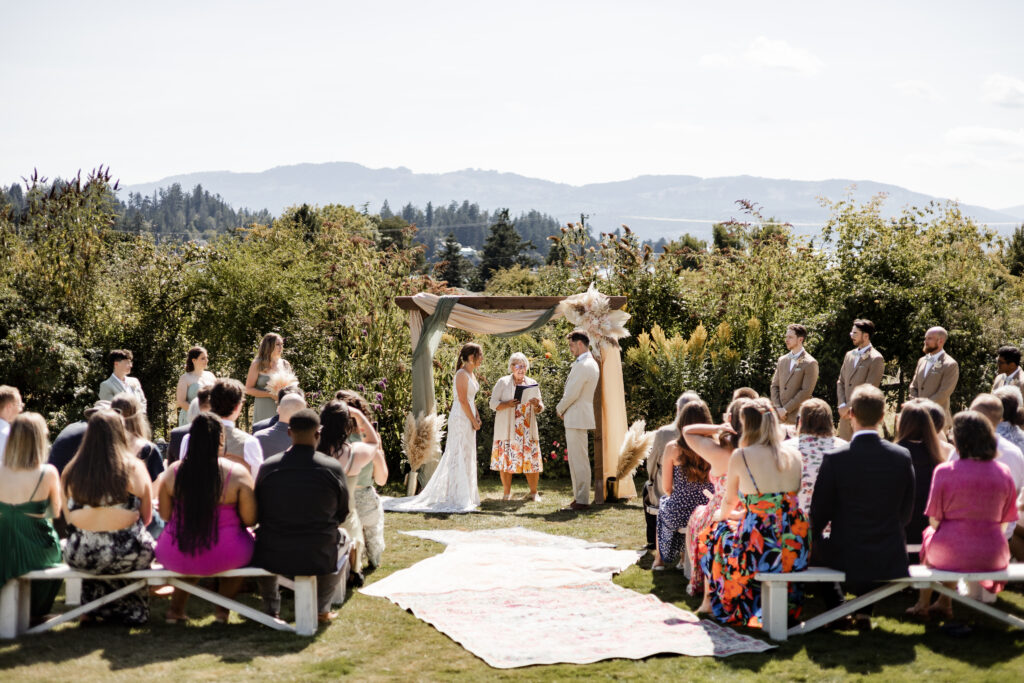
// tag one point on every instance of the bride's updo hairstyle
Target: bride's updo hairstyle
(468, 350)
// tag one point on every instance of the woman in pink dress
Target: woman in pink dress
(209, 502)
(971, 501)
(714, 443)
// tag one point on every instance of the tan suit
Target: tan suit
(868, 370)
(939, 382)
(790, 388)
(577, 410)
(1016, 381)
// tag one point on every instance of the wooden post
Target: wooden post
(599, 485)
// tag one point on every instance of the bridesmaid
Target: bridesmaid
(195, 378)
(267, 361)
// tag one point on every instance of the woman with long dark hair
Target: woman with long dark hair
(195, 378)
(108, 501)
(686, 484)
(338, 421)
(209, 501)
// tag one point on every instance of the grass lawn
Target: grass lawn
(375, 640)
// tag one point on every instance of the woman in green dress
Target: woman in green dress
(29, 496)
(195, 378)
(267, 361)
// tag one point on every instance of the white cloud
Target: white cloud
(1004, 90)
(917, 89)
(778, 54)
(982, 136)
(765, 53)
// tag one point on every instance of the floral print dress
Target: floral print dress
(699, 521)
(520, 454)
(772, 536)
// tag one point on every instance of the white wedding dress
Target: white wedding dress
(452, 488)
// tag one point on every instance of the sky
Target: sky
(928, 95)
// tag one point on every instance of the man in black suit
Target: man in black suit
(866, 491)
(302, 498)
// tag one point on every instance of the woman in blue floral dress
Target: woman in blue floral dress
(762, 528)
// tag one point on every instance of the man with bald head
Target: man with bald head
(937, 373)
(275, 439)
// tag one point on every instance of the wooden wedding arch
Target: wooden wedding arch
(609, 398)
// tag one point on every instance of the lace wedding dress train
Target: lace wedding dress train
(453, 487)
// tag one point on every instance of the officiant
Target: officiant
(516, 403)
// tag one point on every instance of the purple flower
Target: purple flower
(379, 397)
(378, 407)
(383, 384)
(361, 388)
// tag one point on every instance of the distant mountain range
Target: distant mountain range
(653, 206)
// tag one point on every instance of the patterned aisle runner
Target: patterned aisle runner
(550, 596)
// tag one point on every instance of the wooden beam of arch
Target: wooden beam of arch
(510, 303)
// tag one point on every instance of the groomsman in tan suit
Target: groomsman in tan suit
(862, 365)
(795, 376)
(1008, 364)
(937, 373)
(577, 412)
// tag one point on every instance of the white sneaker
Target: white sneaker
(535, 497)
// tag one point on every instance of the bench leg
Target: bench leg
(9, 608)
(72, 592)
(84, 609)
(305, 605)
(775, 608)
(228, 603)
(846, 608)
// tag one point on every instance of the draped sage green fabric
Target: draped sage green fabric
(423, 356)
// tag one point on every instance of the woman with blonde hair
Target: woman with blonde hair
(815, 436)
(268, 360)
(29, 497)
(195, 378)
(108, 501)
(516, 445)
(761, 527)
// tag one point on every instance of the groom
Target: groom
(577, 412)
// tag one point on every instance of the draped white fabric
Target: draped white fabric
(472, 320)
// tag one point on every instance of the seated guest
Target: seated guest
(761, 527)
(226, 401)
(866, 492)
(972, 500)
(272, 420)
(715, 444)
(815, 437)
(200, 404)
(744, 392)
(653, 490)
(10, 406)
(29, 496)
(209, 502)
(138, 432)
(339, 421)
(70, 438)
(1013, 415)
(275, 439)
(915, 431)
(108, 501)
(119, 381)
(302, 498)
(1007, 453)
(368, 504)
(686, 485)
(938, 415)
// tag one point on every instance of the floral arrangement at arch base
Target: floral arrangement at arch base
(591, 312)
(421, 443)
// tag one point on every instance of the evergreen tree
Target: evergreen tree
(385, 211)
(430, 215)
(452, 266)
(504, 248)
(1014, 254)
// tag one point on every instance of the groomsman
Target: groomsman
(862, 365)
(937, 373)
(577, 412)
(119, 380)
(795, 376)
(1008, 364)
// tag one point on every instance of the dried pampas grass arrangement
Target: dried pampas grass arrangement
(635, 446)
(279, 380)
(421, 439)
(591, 311)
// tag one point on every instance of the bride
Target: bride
(453, 486)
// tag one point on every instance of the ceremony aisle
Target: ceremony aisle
(518, 597)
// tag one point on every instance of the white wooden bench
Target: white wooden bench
(775, 588)
(15, 597)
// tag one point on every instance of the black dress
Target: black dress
(924, 465)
